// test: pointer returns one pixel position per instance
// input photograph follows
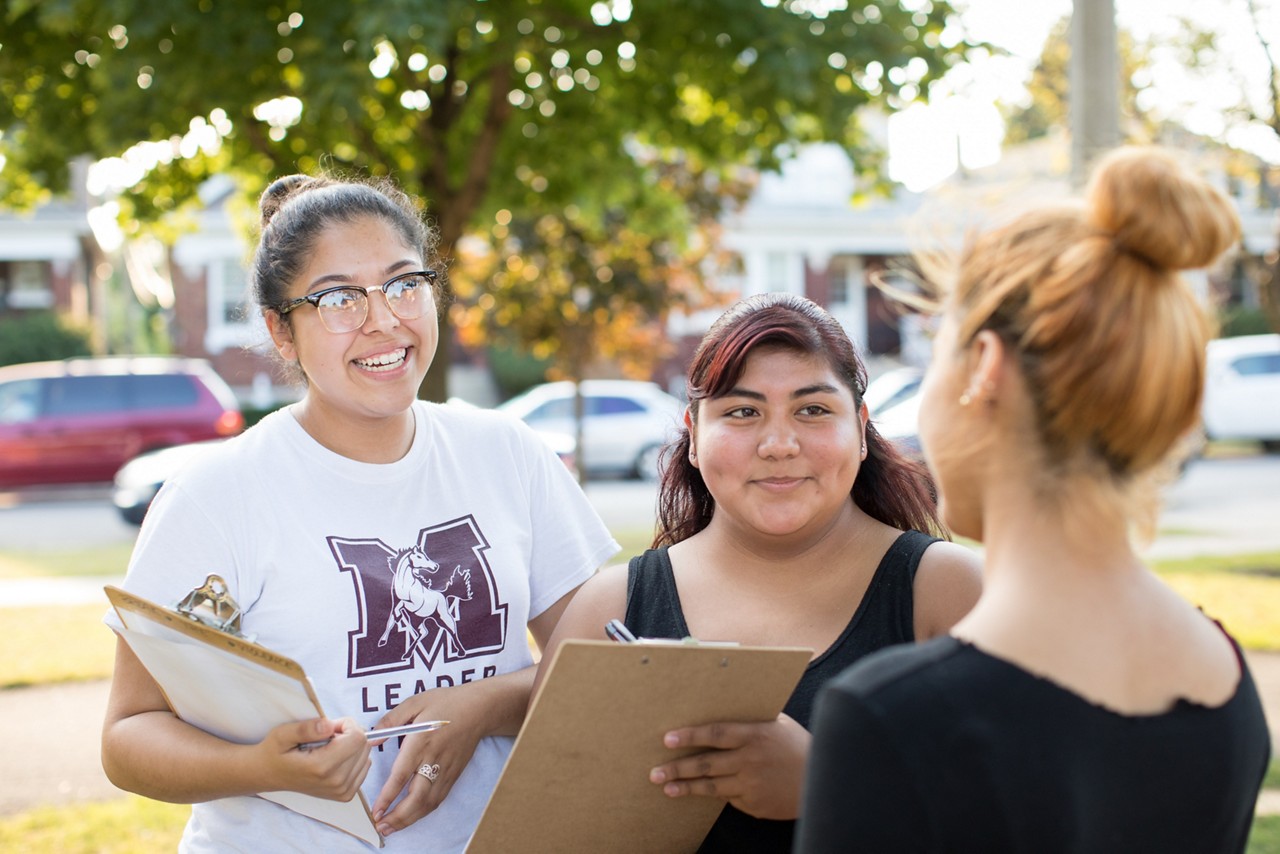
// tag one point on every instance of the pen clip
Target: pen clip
(618, 632)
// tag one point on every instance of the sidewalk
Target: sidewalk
(52, 755)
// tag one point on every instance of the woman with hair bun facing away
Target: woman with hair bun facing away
(1082, 705)
(401, 551)
(784, 519)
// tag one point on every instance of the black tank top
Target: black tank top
(884, 617)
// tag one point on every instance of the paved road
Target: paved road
(1220, 506)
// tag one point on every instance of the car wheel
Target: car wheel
(133, 515)
(647, 462)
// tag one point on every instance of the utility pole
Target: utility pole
(1094, 99)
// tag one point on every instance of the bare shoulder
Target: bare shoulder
(601, 598)
(951, 558)
(948, 583)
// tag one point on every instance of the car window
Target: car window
(612, 406)
(1263, 363)
(84, 395)
(19, 401)
(561, 408)
(160, 391)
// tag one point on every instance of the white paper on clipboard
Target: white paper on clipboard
(223, 683)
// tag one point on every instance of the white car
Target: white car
(1242, 389)
(891, 388)
(893, 399)
(626, 423)
(138, 480)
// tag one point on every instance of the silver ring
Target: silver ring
(426, 769)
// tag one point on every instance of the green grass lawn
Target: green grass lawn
(41, 645)
(1265, 836)
(1240, 591)
(131, 825)
(106, 561)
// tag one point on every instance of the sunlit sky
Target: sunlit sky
(923, 140)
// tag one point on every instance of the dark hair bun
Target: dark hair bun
(1161, 211)
(280, 191)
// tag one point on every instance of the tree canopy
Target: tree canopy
(598, 136)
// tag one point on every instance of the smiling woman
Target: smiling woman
(306, 515)
(785, 519)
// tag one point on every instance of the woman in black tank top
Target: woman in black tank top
(784, 519)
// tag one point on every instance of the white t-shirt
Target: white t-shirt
(308, 541)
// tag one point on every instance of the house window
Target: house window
(233, 298)
(233, 322)
(839, 284)
(27, 284)
(776, 271)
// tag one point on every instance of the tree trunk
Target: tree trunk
(435, 385)
(1269, 294)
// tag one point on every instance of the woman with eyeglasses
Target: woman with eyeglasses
(1082, 705)
(401, 551)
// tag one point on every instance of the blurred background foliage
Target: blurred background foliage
(558, 146)
(39, 336)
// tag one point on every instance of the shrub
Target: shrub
(514, 371)
(1236, 320)
(40, 336)
(254, 414)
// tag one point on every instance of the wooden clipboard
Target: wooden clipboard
(578, 776)
(217, 679)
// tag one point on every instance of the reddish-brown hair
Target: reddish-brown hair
(890, 487)
(1110, 339)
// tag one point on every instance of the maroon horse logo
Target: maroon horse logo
(419, 593)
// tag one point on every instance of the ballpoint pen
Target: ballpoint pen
(386, 732)
(617, 631)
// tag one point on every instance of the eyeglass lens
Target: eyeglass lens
(345, 309)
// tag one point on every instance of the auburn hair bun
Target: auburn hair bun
(1159, 210)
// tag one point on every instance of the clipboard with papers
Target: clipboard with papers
(577, 777)
(215, 678)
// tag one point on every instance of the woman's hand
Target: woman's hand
(333, 770)
(759, 768)
(450, 748)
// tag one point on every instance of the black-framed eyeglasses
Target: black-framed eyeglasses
(344, 308)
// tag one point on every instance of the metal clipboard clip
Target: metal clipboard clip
(211, 605)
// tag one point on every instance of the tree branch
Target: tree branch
(1273, 76)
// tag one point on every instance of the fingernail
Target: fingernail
(377, 815)
(385, 829)
(657, 776)
(671, 790)
(671, 740)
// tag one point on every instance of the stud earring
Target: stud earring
(966, 399)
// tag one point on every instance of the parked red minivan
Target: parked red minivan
(79, 420)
